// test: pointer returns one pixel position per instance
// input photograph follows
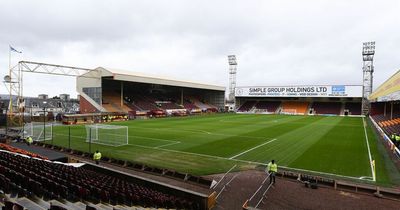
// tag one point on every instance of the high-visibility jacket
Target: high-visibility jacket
(397, 138)
(29, 140)
(393, 137)
(272, 167)
(97, 156)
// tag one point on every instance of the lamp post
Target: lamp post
(44, 120)
(6, 120)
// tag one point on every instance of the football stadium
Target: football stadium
(167, 143)
(143, 141)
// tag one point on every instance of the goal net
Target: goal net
(111, 135)
(39, 131)
(289, 111)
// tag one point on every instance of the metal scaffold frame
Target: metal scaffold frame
(15, 82)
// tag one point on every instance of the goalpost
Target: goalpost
(111, 135)
(289, 111)
(39, 131)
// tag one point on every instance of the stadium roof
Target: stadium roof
(130, 76)
(389, 90)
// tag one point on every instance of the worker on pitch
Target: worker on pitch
(29, 140)
(272, 169)
(393, 137)
(97, 156)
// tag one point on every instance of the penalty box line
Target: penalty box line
(253, 148)
(243, 161)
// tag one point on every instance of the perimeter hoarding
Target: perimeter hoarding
(342, 91)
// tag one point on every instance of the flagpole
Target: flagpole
(9, 74)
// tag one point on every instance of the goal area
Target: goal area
(39, 131)
(110, 135)
(289, 111)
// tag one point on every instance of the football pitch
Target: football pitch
(200, 145)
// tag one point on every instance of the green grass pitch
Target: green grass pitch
(200, 145)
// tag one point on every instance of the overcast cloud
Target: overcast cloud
(276, 42)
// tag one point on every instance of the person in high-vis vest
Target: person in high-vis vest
(393, 137)
(97, 156)
(397, 140)
(29, 140)
(272, 169)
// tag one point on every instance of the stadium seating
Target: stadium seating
(20, 151)
(247, 106)
(112, 103)
(269, 106)
(169, 105)
(327, 107)
(295, 107)
(188, 105)
(354, 108)
(201, 104)
(28, 176)
(377, 108)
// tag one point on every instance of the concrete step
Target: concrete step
(29, 204)
(58, 203)
(73, 205)
(122, 207)
(41, 202)
(102, 206)
(80, 205)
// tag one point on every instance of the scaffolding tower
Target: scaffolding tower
(14, 81)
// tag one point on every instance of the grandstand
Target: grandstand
(300, 100)
(295, 107)
(27, 176)
(385, 108)
(138, 94)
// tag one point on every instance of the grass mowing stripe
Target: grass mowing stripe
(235, 156)
(246, 161)
(165, 145)
(369, 151)
(334, 145)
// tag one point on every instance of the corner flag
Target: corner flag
(14, 50)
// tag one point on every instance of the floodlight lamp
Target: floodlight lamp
(7, 78)
(232, 60)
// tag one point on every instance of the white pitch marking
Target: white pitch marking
(243, 161)
(235, 156)
(178, 142)
(369, 151)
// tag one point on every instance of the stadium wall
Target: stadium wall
(86, 106)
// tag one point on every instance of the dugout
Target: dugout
(69, 119)
(111, 90)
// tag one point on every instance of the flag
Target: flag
(14, 50)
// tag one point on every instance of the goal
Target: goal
(289, 111)
(111, 135)
(39, 131)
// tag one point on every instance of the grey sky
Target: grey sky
(276, 42)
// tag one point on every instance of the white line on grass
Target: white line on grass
(235, 156)
(190, 130)
(369, 151)
(243, 161)
(193, 131)
(157, 139)
(173, 143)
